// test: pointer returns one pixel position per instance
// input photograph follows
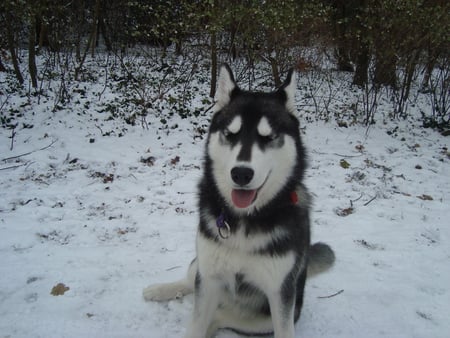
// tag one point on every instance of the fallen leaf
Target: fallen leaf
(344, 212)
(59, 289)
(175, 160)
(344, 164)
(150, 161)
(109, 178)
(359, 147)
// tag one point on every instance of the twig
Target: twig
(352, 201)
(173, 268)
(333, 295)
(101, 131)
(347, 156)
(13, 134)
(16, 166)
(28, 153)
(210, 107)
(336, 154)
(372, 199)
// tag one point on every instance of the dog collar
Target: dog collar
(224, 228)
(294, 197)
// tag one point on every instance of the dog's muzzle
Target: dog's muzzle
(242, 176)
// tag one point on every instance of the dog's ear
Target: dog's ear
(225, 87)
(288, 89)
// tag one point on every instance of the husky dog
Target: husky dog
(253, 240)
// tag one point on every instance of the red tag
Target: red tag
(294, 197)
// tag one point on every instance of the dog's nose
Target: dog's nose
(242, 175)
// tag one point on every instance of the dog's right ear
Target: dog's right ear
(225, 87)
(288, 89)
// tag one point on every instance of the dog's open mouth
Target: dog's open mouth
(243, 198)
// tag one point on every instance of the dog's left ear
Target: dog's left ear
(288, 89)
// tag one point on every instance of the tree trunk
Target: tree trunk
(360, 78)
(2, 67)
(12, 47)
(275, 72)
(385, 70)
(41, 32)
(212, 91)
(232, 49)
(429, 66)
(343, 58)
(105, 35)
(32, 52)
(79, 32)
(341, 19)
(94, 33)
(179, 46)
(91, 41)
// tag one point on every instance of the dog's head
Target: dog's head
(254, 145)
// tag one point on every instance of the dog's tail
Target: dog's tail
(321, 258)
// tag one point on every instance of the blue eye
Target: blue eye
(270, 138)
(273, 136)
(228, 135)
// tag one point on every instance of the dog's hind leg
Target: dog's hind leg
(175, 290)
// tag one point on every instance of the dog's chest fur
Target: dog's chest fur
(238, 259)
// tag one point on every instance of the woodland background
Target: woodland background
(385, 44)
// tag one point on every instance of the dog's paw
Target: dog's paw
(156, 293)
(165, 292)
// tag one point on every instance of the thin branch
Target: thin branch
(28, 153)
(13, 134)
(16, 166)
(336, 154)
(356, 200)
(333, 295)
(174, 268)
(367, 203)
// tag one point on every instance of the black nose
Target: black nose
(242, 175)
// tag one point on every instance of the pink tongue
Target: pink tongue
(243, 198)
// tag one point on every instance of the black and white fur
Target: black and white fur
(250, 276)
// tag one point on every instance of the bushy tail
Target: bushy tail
(321, 258)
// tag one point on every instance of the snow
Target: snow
(88, 211)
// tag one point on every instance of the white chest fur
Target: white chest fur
(237, 254)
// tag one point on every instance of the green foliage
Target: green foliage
(387, 42)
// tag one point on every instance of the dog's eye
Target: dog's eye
(228, 134)
(269, 138)
(273, 136)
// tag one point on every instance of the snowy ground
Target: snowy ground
(108, 215)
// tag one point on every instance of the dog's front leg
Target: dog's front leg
(282, 312)
(206, 301)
